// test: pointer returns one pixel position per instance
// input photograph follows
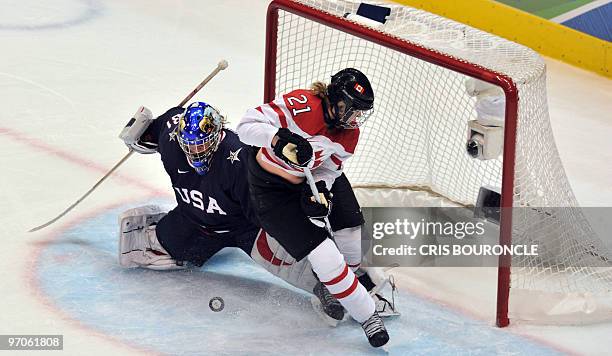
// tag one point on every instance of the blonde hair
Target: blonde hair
(319, 89)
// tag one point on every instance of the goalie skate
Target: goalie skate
(376, 281)
(384, 307)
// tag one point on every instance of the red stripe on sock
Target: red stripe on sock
(339, 278)
(348, 292)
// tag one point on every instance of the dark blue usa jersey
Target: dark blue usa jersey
(219, 200)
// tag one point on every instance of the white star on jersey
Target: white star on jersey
(172, 136)
(233, 156)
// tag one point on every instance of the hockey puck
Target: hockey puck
(216, 304)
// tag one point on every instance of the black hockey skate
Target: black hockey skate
(375, 330)
(330, 305)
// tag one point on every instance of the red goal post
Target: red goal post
(418, 64)
(431, 56)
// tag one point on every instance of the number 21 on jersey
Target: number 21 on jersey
(292, 100)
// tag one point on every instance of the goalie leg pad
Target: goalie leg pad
(269, 254)
(138, 243)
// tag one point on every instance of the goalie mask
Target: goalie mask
(351, 98)
(199, 134)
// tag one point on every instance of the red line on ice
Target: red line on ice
(72, 158)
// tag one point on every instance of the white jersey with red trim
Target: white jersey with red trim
(301, 112)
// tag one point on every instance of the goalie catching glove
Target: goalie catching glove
(292, 148)
(315, 211)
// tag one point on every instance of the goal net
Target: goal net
(418, 64)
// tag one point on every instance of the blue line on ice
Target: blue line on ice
(88, 11)
(168, 311)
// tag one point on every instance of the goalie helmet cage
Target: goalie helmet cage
(418, 63)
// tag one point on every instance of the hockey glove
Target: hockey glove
(133, 130)
(310, 207)
(292, 148)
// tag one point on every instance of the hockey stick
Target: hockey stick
(315, 192)
(220, 66)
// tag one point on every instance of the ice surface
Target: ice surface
(169, 312)
(72, 73)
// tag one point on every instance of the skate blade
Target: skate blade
(392, 314)
(318, 308)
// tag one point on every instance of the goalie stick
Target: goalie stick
(220, 66)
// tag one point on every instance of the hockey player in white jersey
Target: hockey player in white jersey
(316, 128)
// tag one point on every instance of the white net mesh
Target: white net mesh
(417, 134)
